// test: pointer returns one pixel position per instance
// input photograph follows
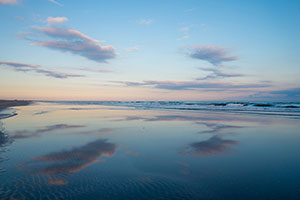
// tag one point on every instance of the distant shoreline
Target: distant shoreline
(10, 103)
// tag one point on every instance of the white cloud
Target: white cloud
(56, 20)
(55, 2)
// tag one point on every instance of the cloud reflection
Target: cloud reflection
(199, 119)
(76, 159)
(95, 132)
(213, 146)
(30, 134)
(216, 128)
(165, 118)
(58, 181)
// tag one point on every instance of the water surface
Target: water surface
(92, 151)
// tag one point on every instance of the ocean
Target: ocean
(266, 108)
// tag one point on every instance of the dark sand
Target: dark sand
(11, 103)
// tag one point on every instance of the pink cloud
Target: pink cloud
(9, 1)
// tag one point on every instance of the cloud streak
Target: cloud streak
(72, 41)
(99, 70)
(191, 85)
(18, 65)
(62, 33)
(55, 2)
(22, 67)
(292, 94)
(212, 54)
(215, 73)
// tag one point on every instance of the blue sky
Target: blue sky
(150, 50)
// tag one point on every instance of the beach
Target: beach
(149, 100)
(91, 151)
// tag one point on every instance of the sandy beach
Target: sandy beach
(150, 100)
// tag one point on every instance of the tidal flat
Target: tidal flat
(76, 151)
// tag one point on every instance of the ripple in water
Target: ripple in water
(100, 187)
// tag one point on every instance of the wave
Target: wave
(285, 108)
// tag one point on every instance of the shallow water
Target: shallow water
(75, 151)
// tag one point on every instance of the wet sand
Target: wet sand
(75, 151)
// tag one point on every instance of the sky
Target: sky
(178, 50)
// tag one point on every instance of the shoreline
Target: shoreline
(11, 103)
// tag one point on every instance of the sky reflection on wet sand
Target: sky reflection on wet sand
(124, 153)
